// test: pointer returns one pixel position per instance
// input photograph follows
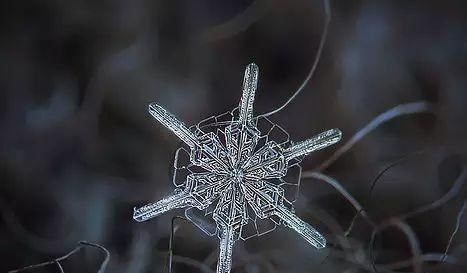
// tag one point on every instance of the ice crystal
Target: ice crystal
(241, 171)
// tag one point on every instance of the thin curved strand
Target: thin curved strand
(427, 257)
(327, 20)
(458, 222)
(390, 267)
(59, 266)
(237, 24)
(32, 240)
(417, 263)
(445, 198)
(171, 239)
(68, 255)
(373, 184)
(103, 250)
(400, 110)
(180, 259)
(140, 252)
(386, 169)
(336, 185)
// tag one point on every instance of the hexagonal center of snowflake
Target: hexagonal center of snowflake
(236, 175)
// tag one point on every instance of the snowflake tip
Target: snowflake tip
(172, 123)
(315, 143)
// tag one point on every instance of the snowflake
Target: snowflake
(241, 171)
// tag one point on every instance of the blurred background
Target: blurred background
(78, 149)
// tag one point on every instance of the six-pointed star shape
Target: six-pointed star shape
(237, 174)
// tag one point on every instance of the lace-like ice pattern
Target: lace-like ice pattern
(241, 172)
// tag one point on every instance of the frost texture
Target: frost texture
(241, 171)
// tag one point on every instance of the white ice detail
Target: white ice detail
(244, 179)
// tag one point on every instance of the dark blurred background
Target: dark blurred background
(78, 149)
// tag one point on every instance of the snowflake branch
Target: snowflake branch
(250, 82)
(173, 124)
(177, 200)
(227, 239)
(315, 143)
(306, 231)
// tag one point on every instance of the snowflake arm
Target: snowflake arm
(316, 143)
(206, 150)
(177, 200)
(307, 232)
(173, 124)
(200, 190)
(267, 199)
(250, 82)
(230, 215)
(227, 238)
(242, 136)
